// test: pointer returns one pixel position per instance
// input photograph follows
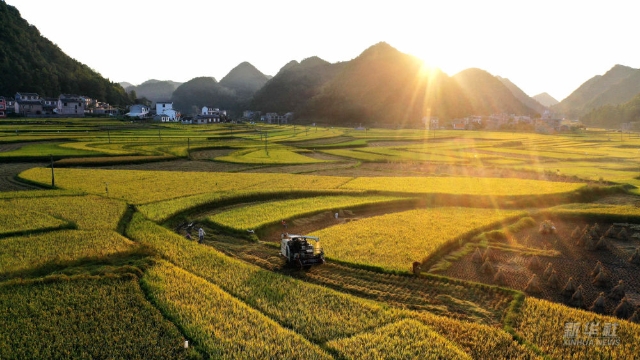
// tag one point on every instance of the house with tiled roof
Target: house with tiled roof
(28, 104)
(72, 105)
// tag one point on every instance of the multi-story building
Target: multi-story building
(28, 104)
(71, 105)
(166, 108)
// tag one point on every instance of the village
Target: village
(68, 105)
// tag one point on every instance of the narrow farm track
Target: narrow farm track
(11, 146)
(448, 297)
(8, 173)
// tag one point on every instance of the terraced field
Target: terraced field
(99, 258)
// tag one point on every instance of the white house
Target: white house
(166, 108)
(139, 111)
(210, 110)
(274, 118)
(70, 105)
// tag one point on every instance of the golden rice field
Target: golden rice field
(38, 193)
(462, 185)
(478, 340)
(99, 147)
(22, 253)
(396, 240)
(164, 185)
(162, 210)
(332, 315)
(223, 326)
(84, 318)
(265, 213)
(155, 289)
(357, 154)
(271, 156)
(87, 212)
(14, 220)
(545, 324)
(596, 209)
(409, 339)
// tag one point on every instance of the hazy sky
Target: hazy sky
(541, 45)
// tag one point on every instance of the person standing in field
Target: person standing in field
(201, 235)
(284, 225)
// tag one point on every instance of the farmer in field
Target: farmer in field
(188, 236)
(201, 235)
(284, 225)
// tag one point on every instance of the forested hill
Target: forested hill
(387, 87)
(612, 116)
(30, 62)
(294, 85)
(617, 86)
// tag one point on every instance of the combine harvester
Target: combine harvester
(300, 252)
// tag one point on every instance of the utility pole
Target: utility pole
(53, 178)
(266, 135)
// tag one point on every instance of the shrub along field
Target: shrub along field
(91, 269)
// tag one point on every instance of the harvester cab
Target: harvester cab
(300, 251)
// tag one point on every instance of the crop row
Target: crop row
(87, 212)
(317, 313)
(222, 326)
(395, 241)
(90, 318)
(462, 185)
(284, 299)
(407, 339)
(563, 332)
(457, 300)
(37, 193)
(618, 213)
(257, 216)
(270, 156)
(164, 185)
(163, 210)
(14, 220)
(58, 248)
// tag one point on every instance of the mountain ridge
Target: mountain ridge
(618, 85)
(42, 67)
